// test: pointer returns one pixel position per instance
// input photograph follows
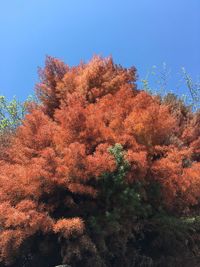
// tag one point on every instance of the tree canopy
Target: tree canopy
(97, 152)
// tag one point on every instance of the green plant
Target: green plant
(194, 89)
(120, 200)
(11, 113)
(157, 79)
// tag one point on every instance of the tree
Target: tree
(11, 114)
(93, 137)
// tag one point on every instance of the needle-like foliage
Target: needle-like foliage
(63, 167)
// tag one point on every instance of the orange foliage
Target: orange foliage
(61, 149)
(69, 227)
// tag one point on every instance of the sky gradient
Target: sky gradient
(142, 33)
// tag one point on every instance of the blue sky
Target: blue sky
(142, 33)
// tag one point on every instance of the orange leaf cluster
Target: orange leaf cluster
(61, 149)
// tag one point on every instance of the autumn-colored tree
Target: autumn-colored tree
(96, 148)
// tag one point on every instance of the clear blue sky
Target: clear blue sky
(135, 32)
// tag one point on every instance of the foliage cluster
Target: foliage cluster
(157, 81)
(100, 173)
(11, 113)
